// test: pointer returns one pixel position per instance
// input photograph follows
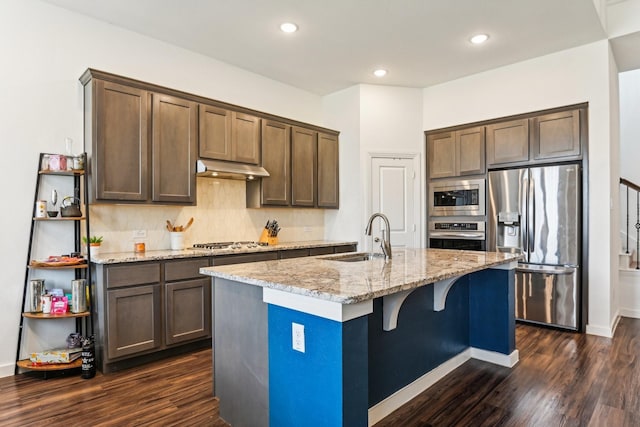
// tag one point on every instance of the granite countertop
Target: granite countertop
(325, 278)
(159, 255)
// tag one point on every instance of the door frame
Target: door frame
(418, 188)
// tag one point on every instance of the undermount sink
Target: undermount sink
(357, 257)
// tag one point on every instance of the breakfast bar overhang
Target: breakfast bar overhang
(327, 342)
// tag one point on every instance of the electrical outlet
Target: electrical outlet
(139, 234)
(297, 337)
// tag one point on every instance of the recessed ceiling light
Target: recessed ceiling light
(380, 72)
(288, 27)
(479, 38)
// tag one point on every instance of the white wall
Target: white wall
(573, 76)
(45, 50)
(342, 111)
(372, 119)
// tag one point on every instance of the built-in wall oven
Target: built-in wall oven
(469, 235)
(457, 198)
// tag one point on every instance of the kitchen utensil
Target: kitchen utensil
(188, 224)
(176, 241)
(169, 226)
(70, 207)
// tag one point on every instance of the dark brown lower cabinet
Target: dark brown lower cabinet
(134, 320)
(188, 310)
(148, 308)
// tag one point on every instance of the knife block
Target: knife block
(264, 237)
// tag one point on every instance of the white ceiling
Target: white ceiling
(340, 42)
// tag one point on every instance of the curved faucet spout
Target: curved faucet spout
(386, 233)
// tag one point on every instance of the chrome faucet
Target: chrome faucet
(386, 234)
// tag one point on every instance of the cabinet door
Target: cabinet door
(174, 149)
(303, 167)
(441, 152)
(134, 320)
(215, 133)
(276, 159)
(508, 142)
(120, 160)
(328, 171)
(245, 137)
(188, 310)
(556, 135)
(470, 151)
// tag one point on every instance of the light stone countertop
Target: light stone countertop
(159, 255)
(352, 282)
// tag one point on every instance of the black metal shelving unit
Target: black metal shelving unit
(83, 321)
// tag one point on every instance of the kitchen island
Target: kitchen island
(334, 341)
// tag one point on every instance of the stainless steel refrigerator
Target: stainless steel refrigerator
(536, 211)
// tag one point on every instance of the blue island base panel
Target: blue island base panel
(492, 321)
(327, 384)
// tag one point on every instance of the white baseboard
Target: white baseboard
(7, 370)
(496, 358)
(405, 394)
(601, 331)
(408, 392)
(630, 312)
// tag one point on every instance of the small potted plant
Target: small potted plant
(94, 244)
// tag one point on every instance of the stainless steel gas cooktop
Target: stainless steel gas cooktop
(227, 245)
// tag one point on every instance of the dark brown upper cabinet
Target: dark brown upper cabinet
(215, 132)
(274, 190)
(143, 141)
(117, 136)
(508, 142)
(456, 153)
(174, 145)
(245, 138)
(537, 139)
(303, 168)
(229, 135)
(555, 135)
(328, 171)
(142, 145)
(304, 153)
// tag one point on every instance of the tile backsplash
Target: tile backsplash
(220, 215)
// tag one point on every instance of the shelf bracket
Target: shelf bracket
(391, 304)
(391, 308)
(440, 291)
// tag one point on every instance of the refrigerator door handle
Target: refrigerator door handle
(532, 215)
(545, 269)
(524, 224)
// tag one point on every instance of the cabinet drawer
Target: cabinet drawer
(346, 248)
(293, 253)
(321, 251)
(240, 259)
(184, 269)
(133, 274)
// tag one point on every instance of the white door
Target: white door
(394, 193)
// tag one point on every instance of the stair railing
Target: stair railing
(634, 187)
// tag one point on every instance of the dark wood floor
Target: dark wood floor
(176, 391)
(563, 379)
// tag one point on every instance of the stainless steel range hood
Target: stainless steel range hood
(229, 170)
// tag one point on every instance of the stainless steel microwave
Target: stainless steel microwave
(457, 198)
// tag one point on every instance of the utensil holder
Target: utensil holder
(176, 240)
